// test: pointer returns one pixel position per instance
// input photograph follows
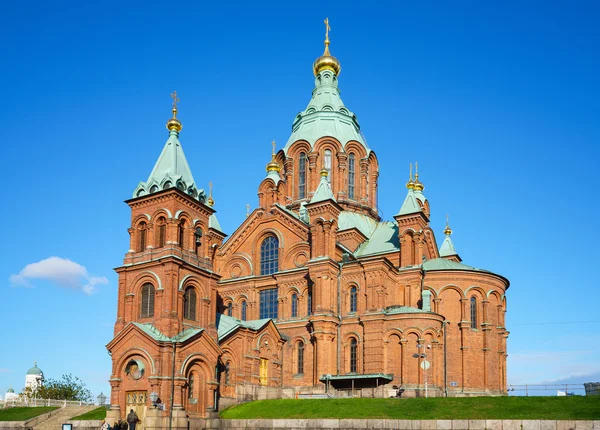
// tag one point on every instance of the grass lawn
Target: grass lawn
(548, 408)
(23, 414)
(95, 414)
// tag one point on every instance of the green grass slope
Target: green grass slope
(547, 408)
(23, 414)
(95, 414)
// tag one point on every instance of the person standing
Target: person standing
(132, 419)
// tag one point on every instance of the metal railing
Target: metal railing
(24, 401)
(546, 390)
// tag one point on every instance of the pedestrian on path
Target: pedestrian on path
(132, 419)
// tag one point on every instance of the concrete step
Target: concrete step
(55, 422)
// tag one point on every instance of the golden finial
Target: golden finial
(410, 184)
(247, 210)
(210, 199)
(324, 172)
(174, 123)
(327, 61)
(418, 186)
(273, 165)
(448, 230)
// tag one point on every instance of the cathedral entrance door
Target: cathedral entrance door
(137, 400)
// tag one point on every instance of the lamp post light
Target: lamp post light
(423, 364)
(101, 399)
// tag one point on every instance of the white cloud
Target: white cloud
(60, 271)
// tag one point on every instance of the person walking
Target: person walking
(132, 419)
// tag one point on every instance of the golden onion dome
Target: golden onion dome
(448, 230)
(327, 61)
(174, 123)
(324, 172)
(273, 165)
(210, 201)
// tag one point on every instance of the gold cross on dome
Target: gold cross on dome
(210, 187)
(327, 28)
(273, 144)
(446, 219)
(175, 99)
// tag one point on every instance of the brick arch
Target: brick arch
(351, 334)
(294, 251)
(141, 217)
(495, 293)
(129, 353)
(327, 142)
(162, 211)
(393, 332)
(242, 260)
(356, 147)
(193, 281)
(451, 287)
(413, 330)
(482, 293)
(145, 277)
(434, 293)
(297, 147)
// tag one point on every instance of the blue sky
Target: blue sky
(498, 101)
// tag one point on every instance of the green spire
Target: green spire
(447, 249)
(410, 205)
(323, 190)
(171, 169)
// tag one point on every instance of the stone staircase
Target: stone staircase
(63, 415)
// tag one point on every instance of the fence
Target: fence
(546, 390)
(24, 401)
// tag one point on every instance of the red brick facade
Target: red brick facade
(369, 310)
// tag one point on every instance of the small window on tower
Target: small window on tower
(142, 231)
(181, 239)
(147, 301)
(162, 233)
(327, 164)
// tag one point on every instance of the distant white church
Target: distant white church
(34, 378)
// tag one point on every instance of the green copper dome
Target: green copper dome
(10, 390)
(35, 370)
(326, 115)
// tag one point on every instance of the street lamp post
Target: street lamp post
(101, 399)
(423, 364)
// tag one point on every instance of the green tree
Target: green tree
(67, 388)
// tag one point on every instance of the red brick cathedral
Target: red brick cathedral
(312, 294)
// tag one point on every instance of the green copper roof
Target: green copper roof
(213, 222)
(227, 325)
(35, 370)
(326, 115)
(447, 247)
(443, 264)
(155, 333)
(365, 224)
(171, 170)
(350, 376)
(410, 205)
(383, 239)
(323, 191)
(420, 196)
(10, 390)
(393, 310)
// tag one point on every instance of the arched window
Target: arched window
(191, 386)
(294, 306)
(353, 355)
(162, 233)
(244, 310)
(189, 304)
(351, 170)
(353, 299)
(147, 304)
(230, 309)
(300, 357)
(309, 302)
(198, 240)
(327, 164)
(181, 238)
(302, 176)
(143, 230)
(473, 312)
(269, 255)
